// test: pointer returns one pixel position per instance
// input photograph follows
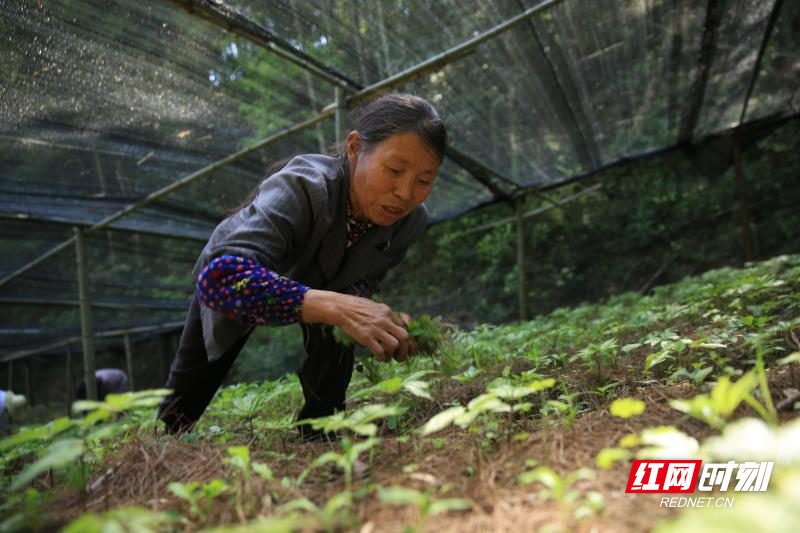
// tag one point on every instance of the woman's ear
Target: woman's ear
(353, 147)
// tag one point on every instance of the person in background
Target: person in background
(10, 404)
(109, 381)
(310, 248)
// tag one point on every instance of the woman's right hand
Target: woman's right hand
(373, 325)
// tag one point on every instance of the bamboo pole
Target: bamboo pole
(126, 339)
(232, 20)
(28, 381)
(744, 203)
(164, 358)
(773, 18)
(340, 111)
(521, 288)
(86, 317)
(57, 220)
(22, 354)
(535, 212)
(175, 304)
(448, 56)
(70, 381)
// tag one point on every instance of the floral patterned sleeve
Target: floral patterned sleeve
(250, 293)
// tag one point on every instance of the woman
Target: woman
(310, 249)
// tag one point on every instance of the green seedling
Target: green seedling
(423, 501)
(411, 384)
(344, 460)
(562, 490)
(124, 519)
(626, 407)
(717, 407)
(359, 421)
(488, 402)
(24, 510)
(199, 497)
(566, 407)
(72, 445)
(606, 457)
(599, 356)
(333, 516)
(239, 459)
(427, 333)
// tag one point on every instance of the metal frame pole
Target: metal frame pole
(55, 220)
(126, 339)
(521, 288)
(748, 242)
(234, 21)
(339, 116)
(165, 356)
(530, 214)
(70, 380)
(87, 338)
(22, 354)
(28, 381)
(450, 55)
(773, 18)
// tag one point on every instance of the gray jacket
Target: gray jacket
(296, 227)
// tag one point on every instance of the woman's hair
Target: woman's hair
(378, 120)
(395, 113)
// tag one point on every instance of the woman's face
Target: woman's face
(390, 179)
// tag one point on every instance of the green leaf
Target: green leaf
(215, 487)
(338, 501)
(133, 519)
(793, 357)
(328, 457)
(442, 420)
(541, 384)
(711, 345)
(717, 406)
(667, 442)
(626, 407)
(301, 504)
(606, 458)
(184, 491)
(417, 388)
(487, 402)
(361, 447)
(239, 457)
(46, 431)
(389, 386)
(368, 430)
(59, 454)
(401, 496)
(656, 359)
(264, 471)
(542, 474)
(87, 405)
(449, 504)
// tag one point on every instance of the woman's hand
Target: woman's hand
(373, 325)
